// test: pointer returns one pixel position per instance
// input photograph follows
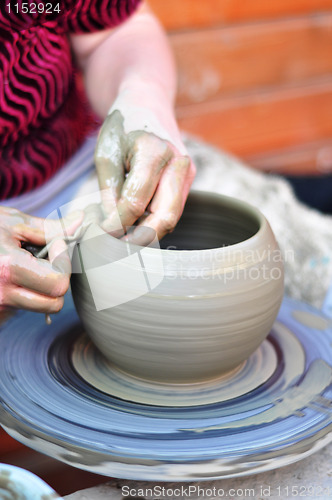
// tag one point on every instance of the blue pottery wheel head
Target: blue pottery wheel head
(282, 414)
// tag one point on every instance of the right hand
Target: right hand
(25, 281)
(143, 168)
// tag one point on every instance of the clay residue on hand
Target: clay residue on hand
(142, 173)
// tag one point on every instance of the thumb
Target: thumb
(41, 231)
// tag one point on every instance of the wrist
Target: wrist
(144, 107)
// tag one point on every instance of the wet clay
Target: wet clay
(115, 151)
(211, 306)
(94, 369)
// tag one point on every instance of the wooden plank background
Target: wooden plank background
(266, 121)
(255, 78)
(191, 14)
(218, 61)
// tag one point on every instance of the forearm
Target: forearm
(132, 58)
(140, 158)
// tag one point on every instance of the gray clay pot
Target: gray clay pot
(213, 293)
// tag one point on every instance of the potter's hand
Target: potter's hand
(143, 169)
(25, 281)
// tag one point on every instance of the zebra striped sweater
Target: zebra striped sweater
(43, 113)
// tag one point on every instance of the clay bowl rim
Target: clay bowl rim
(206, 256)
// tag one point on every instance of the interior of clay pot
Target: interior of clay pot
(209, 222)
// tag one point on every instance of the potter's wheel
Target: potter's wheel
(273, 410)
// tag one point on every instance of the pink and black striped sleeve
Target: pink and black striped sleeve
(84, 16)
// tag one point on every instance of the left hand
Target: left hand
(143, 168)
(27, 282)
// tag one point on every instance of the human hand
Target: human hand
(143, 168)
(25, 281)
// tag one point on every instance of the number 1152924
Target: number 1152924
(33, 8)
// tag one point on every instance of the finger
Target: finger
(38, 275)
(41, 231)
(59, 257)
(110, 160)
(170, 197)
(66, 226)
(150, 158)
(141, 235)
(21, 298)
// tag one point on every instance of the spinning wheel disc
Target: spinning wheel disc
(59, 396)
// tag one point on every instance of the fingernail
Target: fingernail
(141, 235)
